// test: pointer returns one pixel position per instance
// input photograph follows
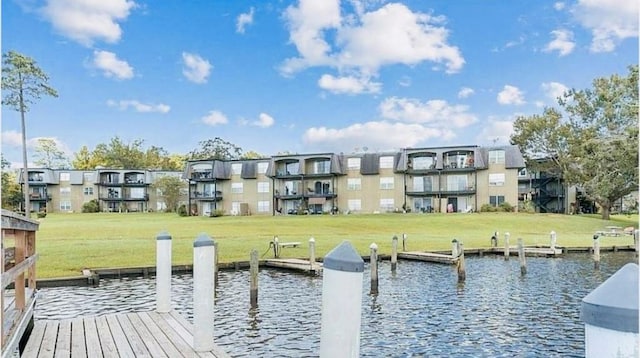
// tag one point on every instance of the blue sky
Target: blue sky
(306, 76)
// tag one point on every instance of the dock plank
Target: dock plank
(217, 351)
(35, 340)
(136, 343)
(63, 341)
(294, 264)
(147, 338)
(119, 337)
(91, 338)
(162, 339)
(48, 346)
(427, 256)
(109, 349)
(78, 345)
(181, 344)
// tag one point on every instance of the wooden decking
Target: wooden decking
(295, 265)
(140, 334)
(427, 256)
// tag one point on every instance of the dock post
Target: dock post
(454, 248)
(373, 262)
(596, 252)
(253, 272)
(636, 234)
(341, 302)
(507, 249)
(203, 293)
(523, 260)
(404, 242)
(552, 240)
(312, 253)
(394, 253)
(163, 272)
(494, 239)
(215, 264)
(462, 270)
(610, 316)
(276, 247)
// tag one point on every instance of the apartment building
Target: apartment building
(423, 180)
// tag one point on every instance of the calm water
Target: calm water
(421, 311)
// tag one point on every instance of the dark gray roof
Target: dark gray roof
(513, 158)
(370, 164)
(249, 170)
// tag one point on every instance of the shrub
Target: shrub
(216, 213)
(505, 206)
(42, 214)
(91, 206)
(182, 210)
(488, 208)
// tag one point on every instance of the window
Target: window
(354, 204)
(386, 204)
(386, 183)
(65, 205)
(422, 183)
(496, 200)
(321, 167)
(353, 163)
(88, 191)
(522, 172)
(457, 183)
(88, 177)
(262, 167)
(496, 156)
(263, 187)
(354, 184)
(235, 207)
(236, 188)
(263, 206)
(386, 162)
(236, 168)
(64, 190)
(65, 176)
(422, 205)
(496, 179)
(137, 193)
(422, 163)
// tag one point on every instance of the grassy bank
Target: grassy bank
(69, 242)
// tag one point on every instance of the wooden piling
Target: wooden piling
(373, 262)
(636, 234)
(494, 239)
(394, 253)
(552, 240)
(454, 249)
(462, 270)
(203, 293)
(253, 272)
(523, 260)
(404, 242)
(596, 252)
(276, 247)
(215, 263)
(507, 252)
(312, 253)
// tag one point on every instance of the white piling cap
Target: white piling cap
(344, 258)
(203, 240)
(373, 246)
(163, 235)
(312, 240)
(614, 304)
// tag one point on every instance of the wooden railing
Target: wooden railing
(18, 268)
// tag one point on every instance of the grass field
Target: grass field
(67, 243)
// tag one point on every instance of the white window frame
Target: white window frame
(387, 204)
(263, 187)
(88, 190)
(354, 184)
(496, 179)
(65, 176)
(237, 188)
(262, 167)
(354, 204)
(65, 190)
(497, 156)
(65, 205)
(353, 163)
(386, 162)
(236, 168)
(497, 200)
(387, 183)
(263, 206)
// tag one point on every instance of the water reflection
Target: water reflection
(419, 311)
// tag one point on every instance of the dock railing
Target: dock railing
(18, 268)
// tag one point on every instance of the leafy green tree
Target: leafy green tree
(23, 82)
(118, 154)
(170, 188)
(11, 195)
(252, 155)
(83, 159)
(48, 155)
(595, 146)
(216, 148)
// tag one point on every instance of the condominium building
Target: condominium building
(423, 180)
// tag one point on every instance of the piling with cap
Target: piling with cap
(454, 248)
(373, 263)
(596, 252)
(494, 239)
(203, 293)
(394, 253)
(341, 302)
(253, 273)
(163, 272)
(276, 247)
(521, 256)
(312, 254)
(636, 235)
(552, 240)
(404, 242)
(462, 270)
(507, 252)
(610, 316)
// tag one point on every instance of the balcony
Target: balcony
(39, 197)
(207, 195)
(459, 161)
(418, 164)
(463, 190)
(134, 180)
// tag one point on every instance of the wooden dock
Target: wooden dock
(140, 334)
(428, 256)
(295, 265)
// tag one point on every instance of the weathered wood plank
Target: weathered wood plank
(427, 256)
(91, 337)
(13, 273)
(168, 347)
(63, 341)
(216, 351)
(181, 344)
(149, 340)
(35, 340)
(48, 346)
(119, 338)
(136, 343)
(109, 349)
(78, 345)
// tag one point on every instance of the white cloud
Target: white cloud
(264, 121)
(610, 21)
(196, 69)
(495, 132)
(213, 118)
(243, 20)
(13, 139)
(511, 95)
(559, 5)
(435, 112)
(377, 135)
(553, 90)
(465, 92)
(139, 106)
(86, 21)
(111, 65)
(348, 84)
(562, 42)
(366, 41)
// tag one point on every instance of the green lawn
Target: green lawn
(67, 243)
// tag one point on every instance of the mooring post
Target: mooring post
(312, 254)
(341, 302)
(636, 234)
(404, 242)
(454, 248)
(215, 264)
(394, 253)
(596, 252)
(462, 270)
(163, 272)
(203, 293)
(610, 316)
(552, 240)
(507, 249)
(521, 256)
(373, 262)
(276, 247)
(253, 272)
